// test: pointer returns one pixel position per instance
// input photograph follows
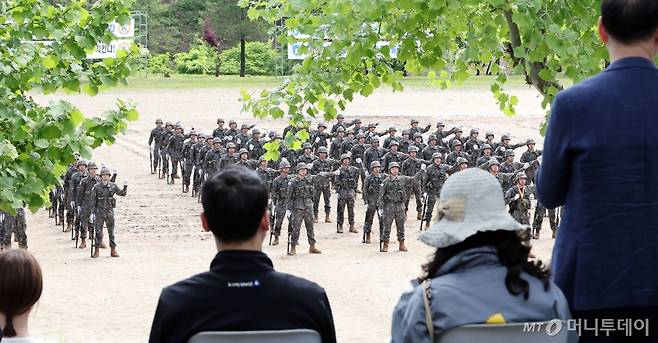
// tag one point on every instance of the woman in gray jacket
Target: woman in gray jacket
(480, 272)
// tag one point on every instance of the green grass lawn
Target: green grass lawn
(153, 82)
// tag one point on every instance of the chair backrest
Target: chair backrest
(533, 332)
(274, 336)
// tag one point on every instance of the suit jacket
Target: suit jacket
(601, 162)
(241, 292)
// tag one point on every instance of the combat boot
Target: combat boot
(554, 229)
(420, 215)
(96, 252)
(75, 237)
(340, 228)
(103, 246)
(353, 229)
(293, 250)
(535, 235)
(385, 247)
(427, 225)
(176, 176)
(326, 218)
(313, 250)
(69, 227)
(276, 240)
(368, 238)
(186, 189)
(114, 253)
(83, 244)
(315, 218)
(402, 247)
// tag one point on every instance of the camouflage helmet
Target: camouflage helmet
(306, 145)
(357, 120)
(360, 135)
(340, 116)
(393, 165)
(392, 129)
(322, 150)
(261, 159)
(217, 140)
(456, 142)
(81, 162)
(179, 126)
(486, 146)
(418, 135)
(489, 134)
(201, 136)
(458, 129)
(530, 141)
(220, 120)
(230, 145)
(158, 121)
(301, 166)
(168, 124)
(345, 156)
(232, 122)
(244, 126)
(407, 132)
(243, 151)
(255, 132)
(193, 133)
(375, 164)
(394, 142)
(340, 129)
(371, 126)
(414, 121)
(520, 175)
(92, 165)
(461, 160)
(437, 155)
(474, 131)
(105, 171)
(374, 139)
(439, 124)
(432, 137)
(322, 124)
(413, 148)
(504, 137)
(509, 152)
(493, 161)
(284, 163)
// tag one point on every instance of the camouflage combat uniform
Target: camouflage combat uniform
(175, 150)
(156, 137)
(321, 184)
(435, 176)
(84, 198)
(103, 203)
(346, 183)
(279, 195)
(13, 225)
(372, 185)
(391, 202)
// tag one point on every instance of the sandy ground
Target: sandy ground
(160, 239)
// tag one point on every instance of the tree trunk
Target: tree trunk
(243, 57)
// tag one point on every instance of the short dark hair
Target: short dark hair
(21, 284)
(629, 21)
(234, 201)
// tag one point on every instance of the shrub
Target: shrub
(160, 64)
(200, 59)
(261, 59)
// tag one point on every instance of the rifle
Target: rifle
(92, 233)
(424, 211)
(381, 230)
(289, 234)
(150, 160)
(61, 204)
(272, 221)
(77, 235)
(73, 209)
(182, 171)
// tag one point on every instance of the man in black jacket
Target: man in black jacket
(242, 291)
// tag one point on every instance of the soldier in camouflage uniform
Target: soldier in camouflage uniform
(415, 129)
(441, 134)
(505, 145)
(357, 127)
(320, 137)
(483, 161)
(457, 152)
(13, 225)
(188, 158)
(255, 146)
(74, 186)
(103, 202)
(279, 194)
(230, 158)
(334, 148)
(198, 162)
(374, 152)
(322, 183)
(405, 142)
(242, 137)
(391, 205)
(505, 179)
(220, 131)
(175, 150)
(412, 167)
(371, 187)
(68, 200)
(393, 155)
(509, 166)
(300, 208)
(157, 134)
(307, 156)
(531, 157)
(164, 152)
(473, 145)
(232, 132)
(518, 199)
(418, 141)
(213, 157)
(490, 139)
(85, 201)
(348, 143)
(340, 122)
(346, 183)
(265, 173)
(428, 151)
(390, 138)
(458, 135)
(435, 175)
(243, 160)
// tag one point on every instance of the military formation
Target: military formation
(351, 159)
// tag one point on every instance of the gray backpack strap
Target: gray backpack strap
(427, 300)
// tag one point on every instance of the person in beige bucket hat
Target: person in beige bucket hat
(480, 271)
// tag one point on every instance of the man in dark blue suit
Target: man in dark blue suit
(601, 162)
(242, 291)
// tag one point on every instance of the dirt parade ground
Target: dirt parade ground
(160, 239)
